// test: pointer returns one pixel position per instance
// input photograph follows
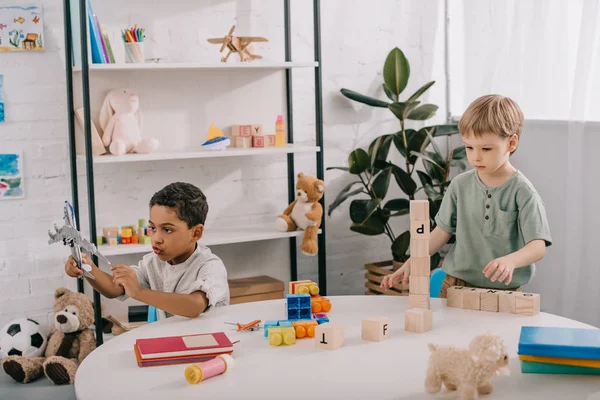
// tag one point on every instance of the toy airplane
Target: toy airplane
(215, 139)
(238, 44)
(250, 326)
(70, 236)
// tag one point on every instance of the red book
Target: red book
(178, 346)
(154, 362)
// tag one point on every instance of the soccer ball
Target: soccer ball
(22, 337)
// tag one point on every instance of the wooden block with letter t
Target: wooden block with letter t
(329, 336)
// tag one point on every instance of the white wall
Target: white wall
(178, 109)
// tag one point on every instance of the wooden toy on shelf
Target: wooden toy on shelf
(493, 300)
(238, 44)
(419, 317)
(215, 139)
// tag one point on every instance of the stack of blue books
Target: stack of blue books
(555, 350)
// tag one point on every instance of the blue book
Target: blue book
(560, 342)
(530, 367)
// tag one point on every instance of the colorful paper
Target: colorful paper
(21, 27)
(11, 176)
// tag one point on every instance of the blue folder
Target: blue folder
(560, 342)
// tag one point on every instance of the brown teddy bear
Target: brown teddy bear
(69, 342)
(305, 212)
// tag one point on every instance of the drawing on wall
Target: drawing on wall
(11, 176)
(21, 27)
(1, 98)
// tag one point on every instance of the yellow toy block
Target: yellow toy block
(304, 287)
(320, 304)
(305, 328)
(279, 335)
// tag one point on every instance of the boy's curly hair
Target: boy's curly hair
(188, 201)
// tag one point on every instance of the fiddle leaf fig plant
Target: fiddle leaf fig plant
(373, 172)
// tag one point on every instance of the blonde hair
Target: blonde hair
(492, 113)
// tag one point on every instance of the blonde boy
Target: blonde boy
(498, 217)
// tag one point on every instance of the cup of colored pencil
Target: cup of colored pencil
(133, 39)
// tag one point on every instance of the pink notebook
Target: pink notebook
(177, 346)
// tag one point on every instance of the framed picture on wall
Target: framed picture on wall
(11, 176)
(21, 27)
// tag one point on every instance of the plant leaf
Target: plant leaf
(344, 194)
(396, 71)
(358, 161)
(389, 94)
(459, 153)
(419, 92)
(445, 130)
(380, 148)
(400, 246)
(361, 98)
(382, 182)
(457, 163)
(400, 206)
(423, 112)
(401, 110)
(404, 180)
(428, 158)
(361, 210)
(375, 225)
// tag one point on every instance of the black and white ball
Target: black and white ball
(22, 337)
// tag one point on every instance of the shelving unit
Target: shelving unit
(81, 68)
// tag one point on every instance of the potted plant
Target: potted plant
(370, 209)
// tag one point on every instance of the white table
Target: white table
(392, 369)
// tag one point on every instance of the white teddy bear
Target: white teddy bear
(121, 121)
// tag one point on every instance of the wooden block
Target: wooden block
(257, 129)
(419, 210)
(418, 300)
(256, 297)
(472, 299)
(375, 329)
(112, 241)
(527, 303)
(489, 300)
(454, 296)
(241, 130)
(106, 232)
(420, 266)
(506, 301)
(258, 141)
(418, 320)
(269, 140)
(418, 285)
(419, 248)
(254, 285)
(329, 336)
(243, 142)
(419, 229)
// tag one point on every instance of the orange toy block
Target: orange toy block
(375, 329)
(418, 320)
(304, 287)
(320, 304)
(135, 239)
(329, 336)
(305, 328)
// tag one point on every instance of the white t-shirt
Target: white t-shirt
(202, 271)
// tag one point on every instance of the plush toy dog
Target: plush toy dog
(305, 212)
(69, 342)
(468, 371)
(121, 120)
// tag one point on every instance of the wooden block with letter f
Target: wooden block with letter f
(419, 317)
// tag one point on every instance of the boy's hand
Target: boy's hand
(71, 266)
(502, 268)
(401, 274)
(126, 277)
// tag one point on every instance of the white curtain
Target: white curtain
(544, 54)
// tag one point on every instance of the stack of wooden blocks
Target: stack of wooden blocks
(493, 300)
(247, 136)
(419, 317)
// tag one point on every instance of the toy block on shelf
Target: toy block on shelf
(420, 266)
(110, 232)
(321, 318)
(112, 241)
(329, 336)
(419, 229)
(258, 141)
(320, 304)
(454, 296)
(279, 335)
(298, 307)
(489, 300)
(305, 328)
(241, 130)
(527, 303)
(304, 287)
(419, 285)
(418, 301)
(472, 298)
(418, 320)
(243, 142)
(269, 140)
(257, 129)
(375, 329)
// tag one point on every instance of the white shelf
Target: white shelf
(212, 237)
(239, 65)
(181, 155)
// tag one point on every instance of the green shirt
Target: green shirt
(490, 222)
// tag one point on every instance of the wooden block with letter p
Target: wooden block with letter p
(329, 336)
(454, 296)
(527, 303)
(419, 229)
(420, 266)
(418, 320)
(419, 210)
(375, 329)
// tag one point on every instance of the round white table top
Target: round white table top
(392, 369)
